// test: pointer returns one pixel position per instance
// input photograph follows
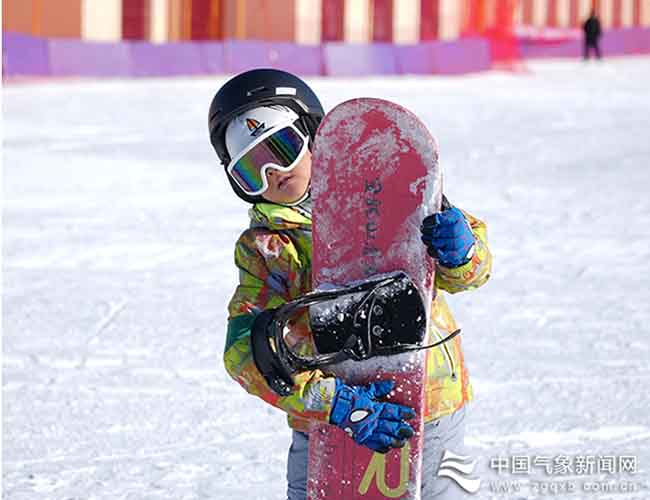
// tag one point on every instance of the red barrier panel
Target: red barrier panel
(617, 10)
(429, 18)
(135, 19)
(574, 14)
(551, 13)
(527, 12)
(205, 22)
(636, 13)
(332, 17)
(382, 21)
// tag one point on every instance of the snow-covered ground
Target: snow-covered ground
(118, 236)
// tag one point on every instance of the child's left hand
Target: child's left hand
(448, 237)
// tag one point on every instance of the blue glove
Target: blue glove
(376, 425)
(448, 237)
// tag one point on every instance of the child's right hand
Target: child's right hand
(448, 237)
(371, 423)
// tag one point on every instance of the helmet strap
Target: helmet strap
(299, 200)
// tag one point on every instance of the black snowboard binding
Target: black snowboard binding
(380, 316)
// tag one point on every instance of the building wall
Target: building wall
(60, 18)
(17, 16)
(450, 19)
(303, 21)
(308, 21)
(406, 21)
(572, 13)
(101, 21)
(269, 20)
(357, 19)
(159, 21)
(178, 20)
(234, 22)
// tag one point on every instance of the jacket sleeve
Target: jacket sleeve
(473, 274)
(266, 262)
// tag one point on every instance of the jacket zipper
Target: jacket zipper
(447, 354)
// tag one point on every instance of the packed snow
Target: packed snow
(119, 229)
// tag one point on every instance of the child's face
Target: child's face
(287, 187)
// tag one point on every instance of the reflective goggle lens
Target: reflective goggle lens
(281, 149)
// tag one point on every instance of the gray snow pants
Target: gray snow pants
(445, 433)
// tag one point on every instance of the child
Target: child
(262, 126)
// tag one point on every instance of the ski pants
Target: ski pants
(589, 45)
(445, 433)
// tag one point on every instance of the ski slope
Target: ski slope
(119, 229)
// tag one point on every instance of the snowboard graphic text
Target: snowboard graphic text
(373, 216)
(377, 470)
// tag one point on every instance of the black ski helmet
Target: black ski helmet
(253, 89)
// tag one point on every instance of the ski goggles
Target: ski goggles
(280, 149)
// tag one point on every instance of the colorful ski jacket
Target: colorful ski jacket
(274, 261)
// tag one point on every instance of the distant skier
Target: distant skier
(262, 124)
(592, 30)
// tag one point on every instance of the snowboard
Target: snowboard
(375, 176)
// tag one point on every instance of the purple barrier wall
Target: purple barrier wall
(212, 56)
(642, 37)
(532, 50)
(24, 55)
(77, 58)
(242, 55)
(614, 43)
(415, 59)
(33, 56)
(168, 59)
(637, 40)
(445, 58)
(642, 40)
(626, 41)
(462, 56)
(345, 59)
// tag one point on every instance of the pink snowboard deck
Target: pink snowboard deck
(375, 177)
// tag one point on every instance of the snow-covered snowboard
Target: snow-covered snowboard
(375, 177)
